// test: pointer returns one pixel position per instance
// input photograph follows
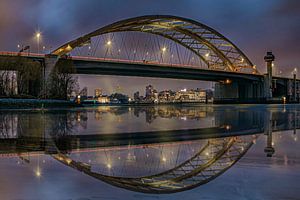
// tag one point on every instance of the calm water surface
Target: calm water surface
(151, 152)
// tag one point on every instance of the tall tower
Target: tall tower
(269, 58)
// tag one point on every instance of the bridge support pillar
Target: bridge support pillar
(49, 64)
(239, 92)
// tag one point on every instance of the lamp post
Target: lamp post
(295, 84)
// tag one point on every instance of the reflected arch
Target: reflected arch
(201, 168)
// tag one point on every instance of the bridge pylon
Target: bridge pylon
(269, 59)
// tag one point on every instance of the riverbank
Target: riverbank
(34, 103)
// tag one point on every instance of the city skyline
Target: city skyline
(253, 31)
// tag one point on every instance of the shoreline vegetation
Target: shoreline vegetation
(13, 103)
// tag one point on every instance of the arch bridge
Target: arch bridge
(166, 46)
(211, 56)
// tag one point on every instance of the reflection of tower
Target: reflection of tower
(269, 149)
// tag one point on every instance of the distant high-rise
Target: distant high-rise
(98, 92)
(149, 91)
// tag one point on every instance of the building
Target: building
(185, 95)
(136, 96)
(103, 99)
(98, 92)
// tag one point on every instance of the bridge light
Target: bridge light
(164, 159)
(164, 49)
(108, 43)
(38, 173)
(207, 54)
(273, 64)
(89, 47)
(227, 81)
(18, 46)
(242, 60)
(284, 100)
(227, 127)
(68, 48)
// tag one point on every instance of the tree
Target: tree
(28, 76)
(19, 75)
(61, 81)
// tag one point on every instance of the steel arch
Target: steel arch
(198, 170)
(212, 47)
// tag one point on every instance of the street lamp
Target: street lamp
(294, 72)
(38, 35)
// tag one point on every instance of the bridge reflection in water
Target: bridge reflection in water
(155, 161)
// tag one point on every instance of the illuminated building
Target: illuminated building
(98, 92)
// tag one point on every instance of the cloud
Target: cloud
(255, 26)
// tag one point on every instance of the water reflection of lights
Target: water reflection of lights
(38, 172)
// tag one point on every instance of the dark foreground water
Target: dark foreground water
(153, 152)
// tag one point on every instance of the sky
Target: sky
(255, 26)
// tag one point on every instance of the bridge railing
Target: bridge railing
(23, 54)
(126, 61)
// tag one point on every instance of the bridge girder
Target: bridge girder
(209, 45)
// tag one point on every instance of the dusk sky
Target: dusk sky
(255, 26)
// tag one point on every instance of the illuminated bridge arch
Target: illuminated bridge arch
(213, 159)
(215, 50)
